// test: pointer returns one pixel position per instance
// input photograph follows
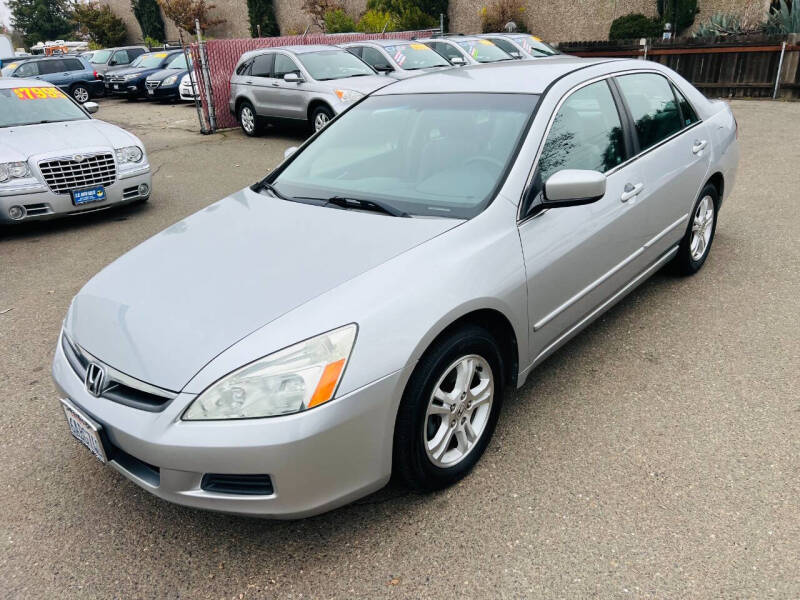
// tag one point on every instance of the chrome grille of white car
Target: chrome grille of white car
(63, 175)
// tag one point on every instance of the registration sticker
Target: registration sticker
(37, 93)
(419, 46)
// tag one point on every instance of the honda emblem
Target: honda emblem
(95, 379)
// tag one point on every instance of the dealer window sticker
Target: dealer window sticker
(37, 93)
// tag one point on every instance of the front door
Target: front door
(578, 257)
(289, 96)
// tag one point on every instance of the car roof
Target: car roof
(291, 49)
(382, 43)
(57, 57)
(513, 77)
(7, 83)
(451, 38)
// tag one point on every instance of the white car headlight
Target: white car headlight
(129, 154)
(289, 381)
(170, 80)
(14, 170)
(131, 76)
(348, 95)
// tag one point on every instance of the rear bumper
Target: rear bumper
(316, 461)
(43, 204)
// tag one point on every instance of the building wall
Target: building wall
(552, 20)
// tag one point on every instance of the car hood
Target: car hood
(132, 70)
(166, 308)
(365, 85)
(164, 73)
(49, 139)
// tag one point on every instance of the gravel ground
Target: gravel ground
(655, 456)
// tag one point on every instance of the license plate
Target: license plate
(95, 194)
(84, 430)
(116, 86)
(151, 92)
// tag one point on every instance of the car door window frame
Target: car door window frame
(289, 58)
(622, 111)
(270, 56)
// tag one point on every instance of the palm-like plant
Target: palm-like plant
(784, 19)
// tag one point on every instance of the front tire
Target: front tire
(320, 118)
(80, 93)
(449, 410)
(248, 120)
(696, 243)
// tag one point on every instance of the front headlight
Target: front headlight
(291, 380)
(169, 80)
(348, 95)
(129, 154)
(14, 170)
(130, 77)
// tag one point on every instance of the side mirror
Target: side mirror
(289, 151)
(458, 61)
(91, 107)
(383, 68)
(112, 63)
(293, 78)
(573, 187)
(516, 55)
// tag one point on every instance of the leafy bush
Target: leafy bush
(784, 18)
(184, 13)
(262, 12)
(317, 9)
(720, 25)
(338, 21)
(100, 24)
(411, 14)
(374, 21)
(152, 43)
(686, 12)
(634, 26)
(495, 17)
(148, 14)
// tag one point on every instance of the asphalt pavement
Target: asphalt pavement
(655, 456)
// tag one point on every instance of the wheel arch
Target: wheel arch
(316, 103)
(718, 181)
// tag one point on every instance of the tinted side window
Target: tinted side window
(448, 51)
(73, 64)
(687, 111)
(586, 133)
(506, 45)
(262, 65)
(48, 67)
(244, 68)
(355, 50)
(652, 105)
(283, 65)
(121, 57)
(374, 58)
(134, 52)
(28, 69)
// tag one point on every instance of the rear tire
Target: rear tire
(696, 243)
(80, 93)
(449, 409)
(248, 119)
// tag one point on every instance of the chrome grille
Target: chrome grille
(63, 175)
(151, 85)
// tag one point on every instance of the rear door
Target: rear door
(578, 257)
(260, 85)
(54, 71)
(674, 152)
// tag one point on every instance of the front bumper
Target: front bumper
(129, 88)
(41, 203)
(162, 93)
(317, 460)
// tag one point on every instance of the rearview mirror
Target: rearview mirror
(293, 78)
(458, 61)
(289, 151)
(572, 187)
(91, 107)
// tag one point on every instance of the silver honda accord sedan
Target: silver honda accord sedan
(361, 310)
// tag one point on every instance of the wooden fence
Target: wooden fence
(746, 66)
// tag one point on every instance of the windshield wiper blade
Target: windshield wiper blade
(373, 205)
(265, 185)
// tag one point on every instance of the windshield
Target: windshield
(333, 64)
(149, 61)
(535, 46)
(179, 62)
(30, 105)
(100, 57)
(415, 56)
(483, 51)
(425, 154)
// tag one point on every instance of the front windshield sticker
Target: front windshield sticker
(37, 93)
(419, 46)
(536, 39)
(161, 55)
(485, 42)
(473, 52)
(400, 58)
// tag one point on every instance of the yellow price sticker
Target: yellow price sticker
(37, 93)
(536, 39)
(161, 55)
(13, 65)
(485, 42)
(419, 46)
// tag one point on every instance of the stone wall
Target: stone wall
(552, 20)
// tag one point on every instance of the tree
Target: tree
(338, 21)
(411, 14)
(262, 12)
(634, 26)
(103, 27)
(184, 13)
(148, 14)
(40, 20)
(686, 12)
(317, 9)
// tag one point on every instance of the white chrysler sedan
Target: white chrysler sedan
(55, 159)
(360, 310)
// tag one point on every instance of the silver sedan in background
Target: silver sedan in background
(55, 159)
(462, 50)
(521, 45)
(298, 83)
(361, 310)
(398, 58)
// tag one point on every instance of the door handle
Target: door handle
(698, 146)
(275, 84)
(249, 81)
(630, 191)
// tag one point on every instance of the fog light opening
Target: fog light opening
(16, 212)
(144, 189)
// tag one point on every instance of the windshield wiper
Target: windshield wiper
(373, 205)
(265, 185)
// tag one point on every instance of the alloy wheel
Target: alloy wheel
(320, 121)
(458, 411)
(248, 119)
(701, 228)
(80, 94)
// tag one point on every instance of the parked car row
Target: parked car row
(313, 84)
